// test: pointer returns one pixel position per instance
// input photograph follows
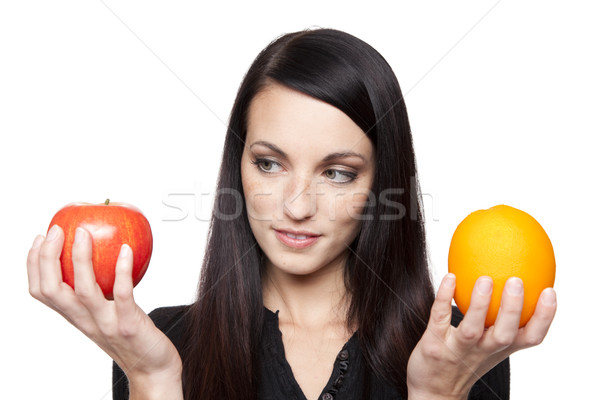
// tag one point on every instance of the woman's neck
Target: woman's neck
(309, 303)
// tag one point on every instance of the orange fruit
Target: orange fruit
(501, 242)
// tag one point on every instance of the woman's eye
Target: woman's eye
(342, 176)
(266, 165)
(270, 166)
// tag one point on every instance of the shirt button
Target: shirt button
(338, 381)
(327, 396)
(343, 355)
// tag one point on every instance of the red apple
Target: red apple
(110, 225)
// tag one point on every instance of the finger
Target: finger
(123, 287)
(506, 327)
(472, 326)
(441, 310)
(86, 287)
(536, 329)
(45, 277)
(49, 263)
(33, 267)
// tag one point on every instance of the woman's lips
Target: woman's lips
(296, 242)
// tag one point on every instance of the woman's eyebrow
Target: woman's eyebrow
(332, 156)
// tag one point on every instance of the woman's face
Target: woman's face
(307, 169)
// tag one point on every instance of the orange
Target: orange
(501, 242)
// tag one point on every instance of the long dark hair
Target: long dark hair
(386, 273)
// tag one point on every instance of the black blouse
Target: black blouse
(348, 378)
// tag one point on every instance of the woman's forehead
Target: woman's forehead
(300, 124)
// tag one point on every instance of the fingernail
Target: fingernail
(485, 285)
(450, 280)
(515, 286)
(79, 234)
(548, 297)
(124, 251)
(37, 242)
(52, 233)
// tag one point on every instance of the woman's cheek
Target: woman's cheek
(351, 207)
(261, 201)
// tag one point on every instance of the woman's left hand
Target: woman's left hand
(447, 361)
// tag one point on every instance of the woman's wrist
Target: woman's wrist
(166, 384)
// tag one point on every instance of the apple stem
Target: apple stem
(106, 202)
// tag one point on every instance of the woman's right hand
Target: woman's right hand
(120, 327)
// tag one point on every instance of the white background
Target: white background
(128, 100)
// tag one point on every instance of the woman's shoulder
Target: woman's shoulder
(166, 316)
(172, 321)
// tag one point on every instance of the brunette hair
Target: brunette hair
(386, 273)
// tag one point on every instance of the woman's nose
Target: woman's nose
(300, 200)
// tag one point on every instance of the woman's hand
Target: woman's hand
(120, 327)
(447, 361)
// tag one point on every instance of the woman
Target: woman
(315, 282)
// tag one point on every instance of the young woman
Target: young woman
(315, 283)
